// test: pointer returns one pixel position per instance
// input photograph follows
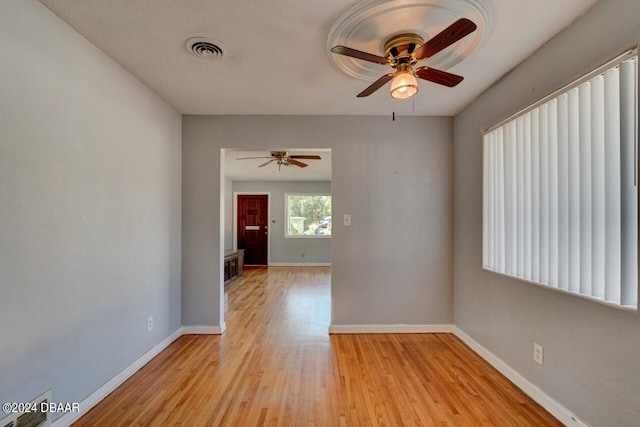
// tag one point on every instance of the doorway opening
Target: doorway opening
(252, 182)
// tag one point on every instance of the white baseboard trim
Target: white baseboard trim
(390, 329)
(565, 416)
(300, 264)
(94, 398)
(202, 330)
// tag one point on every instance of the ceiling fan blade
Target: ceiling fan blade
(306, 157)
(297, 163)
(445, 38)
(266, 163)
(358, 54)
(245, 158)
(376, 85)
(438, 76)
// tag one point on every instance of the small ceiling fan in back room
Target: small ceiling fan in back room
(283, 158)
(403, 51)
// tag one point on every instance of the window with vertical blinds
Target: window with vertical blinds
(560, 195)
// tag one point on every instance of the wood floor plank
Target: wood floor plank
(276, 365)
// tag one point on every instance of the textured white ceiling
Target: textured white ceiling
(278, 61)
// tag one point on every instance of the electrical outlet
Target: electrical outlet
(149, 323)
(538, 354)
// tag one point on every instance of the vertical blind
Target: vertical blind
(560, 196)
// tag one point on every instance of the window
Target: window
(308, 215)
(560, 195)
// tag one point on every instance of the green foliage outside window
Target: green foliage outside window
(309, 215)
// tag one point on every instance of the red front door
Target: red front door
(252, 228)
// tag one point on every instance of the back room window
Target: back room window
(308, 215)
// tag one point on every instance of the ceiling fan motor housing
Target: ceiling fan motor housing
(279, 154)
(399, 50)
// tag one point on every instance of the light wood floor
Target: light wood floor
(276, 365)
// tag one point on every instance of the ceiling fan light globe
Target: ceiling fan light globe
(404, 85)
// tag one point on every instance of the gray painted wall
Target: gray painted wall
(289, 250)
(591, 351)
(90, 236)
(392, 266)
(90, 191)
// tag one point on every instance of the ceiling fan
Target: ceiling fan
(283, 158)
(403, 51)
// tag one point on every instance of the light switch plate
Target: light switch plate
(347, 220)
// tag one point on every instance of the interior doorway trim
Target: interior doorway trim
(235, 218)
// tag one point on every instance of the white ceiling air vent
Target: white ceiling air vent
(205, 48)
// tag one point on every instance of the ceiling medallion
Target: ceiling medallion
(369, 24)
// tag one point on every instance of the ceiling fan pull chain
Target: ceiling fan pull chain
(393, 114)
